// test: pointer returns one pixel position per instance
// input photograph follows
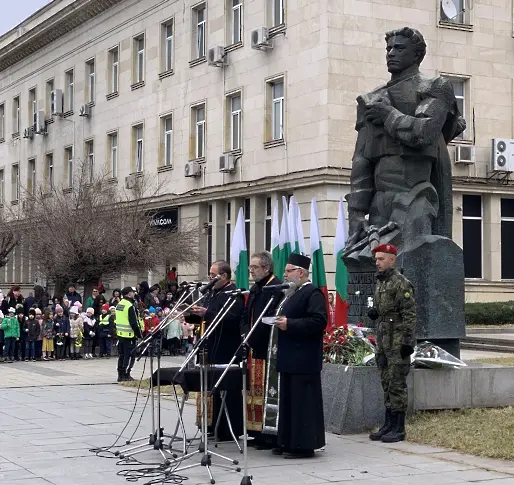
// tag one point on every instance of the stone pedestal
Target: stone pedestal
(435, 266)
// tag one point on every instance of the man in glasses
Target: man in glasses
(301, 324)
(223, 343)
(261, 271)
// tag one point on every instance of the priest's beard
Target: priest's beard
(289, 291)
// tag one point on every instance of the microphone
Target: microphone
(209, 285)
(193, 284)
(237, 292)
(284, 286)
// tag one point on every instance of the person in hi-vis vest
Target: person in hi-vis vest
(128, 331)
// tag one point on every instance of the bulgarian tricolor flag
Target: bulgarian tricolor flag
(318, 275)
(341, 313)
(284, 244)
(296, 239)
(275, 240)
(239, 253)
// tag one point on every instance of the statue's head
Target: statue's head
(405, 47)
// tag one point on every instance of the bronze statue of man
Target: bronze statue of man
(401, 169)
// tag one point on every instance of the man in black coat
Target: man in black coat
(261, 271)
(301, 325)
(223, 343)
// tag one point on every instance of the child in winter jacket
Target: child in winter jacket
(20, 347)
(76, 333)
(62, 332)
(48, 335)
(105, 329)
(11, 328)
(89, 332)
(39, 341)
(31, 328)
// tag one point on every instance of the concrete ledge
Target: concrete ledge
(353, 398)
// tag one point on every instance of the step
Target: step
(487, 347)
(478, 339)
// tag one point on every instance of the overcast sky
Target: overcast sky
(16, 12)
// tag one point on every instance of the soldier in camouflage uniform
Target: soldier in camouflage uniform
(395, 312)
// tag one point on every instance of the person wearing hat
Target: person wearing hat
(128, 330)
(105, 329)
(11, 328)
(300, 327)
(395, 312)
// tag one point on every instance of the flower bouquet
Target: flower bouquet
(428, 355)
(349, 345)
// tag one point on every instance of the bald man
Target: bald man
(395, 312)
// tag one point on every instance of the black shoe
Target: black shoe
(377, 435)
(296, 455)
(278, 451)
(128, 377)
(397, 431)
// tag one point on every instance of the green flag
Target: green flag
(239, 253)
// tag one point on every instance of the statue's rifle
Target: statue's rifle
(373, 237)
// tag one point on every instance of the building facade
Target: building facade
(173, 89)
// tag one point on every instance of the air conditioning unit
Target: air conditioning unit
(28, 133)
(130, 181)
(192, 169)
(40, 126)
(260, 39)
(217, 57)
(502, 155)
(85, 110)
(57, 101)
(464, 154)
(227, 163)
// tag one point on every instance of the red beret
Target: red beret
(386, 248)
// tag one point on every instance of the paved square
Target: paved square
(53, 413)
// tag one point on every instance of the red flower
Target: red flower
(372, 340)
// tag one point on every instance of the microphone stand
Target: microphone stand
(247, 479)
(203, 447)
(155, 440)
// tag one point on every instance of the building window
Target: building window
(90, 80)
(209, 237)
(507, 238)
(113, 144)
(276, 109)
(267, 225)
(2, 186)
(68, 158)
(48, 98)
(138, 147)
(139, 59)
(228, 231)
(50, 172)
(235, 121)
(2, 121)
(167, 136)
(31, 180)
(32, 106)
(199, 16)
(236, 21)
(247, 223)
(277, 13)
(199, 131)
(69, 89)
(15, 182)
(90, 153)
(472, 235)
(167, 46)
(454, 12)
(16, 115)
(113, 70)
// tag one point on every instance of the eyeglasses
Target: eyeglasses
(254, 267)
(291, 270)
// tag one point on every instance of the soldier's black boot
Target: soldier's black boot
(397, 432)
(377, 435)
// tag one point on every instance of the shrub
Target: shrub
(494, 313)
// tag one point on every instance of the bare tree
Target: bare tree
(9, 234)
(97, 231)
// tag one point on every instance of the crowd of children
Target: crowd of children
(65, 331)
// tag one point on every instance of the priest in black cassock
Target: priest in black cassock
(222, 344)
(301, 428)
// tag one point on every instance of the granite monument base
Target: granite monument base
(353, 398)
